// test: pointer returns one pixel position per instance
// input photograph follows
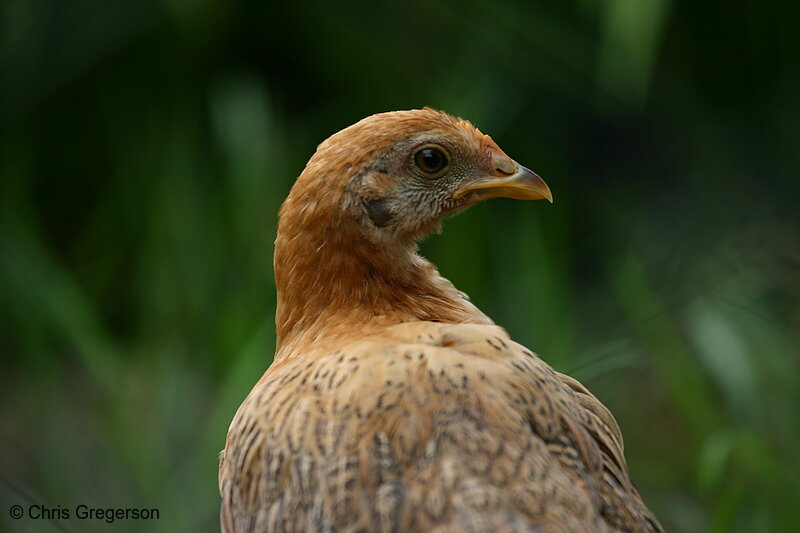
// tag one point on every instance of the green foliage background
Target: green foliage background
(146, 145)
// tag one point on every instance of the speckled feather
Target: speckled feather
(402, 408)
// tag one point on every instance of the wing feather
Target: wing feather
(426, 427)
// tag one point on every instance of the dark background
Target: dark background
(146, 145)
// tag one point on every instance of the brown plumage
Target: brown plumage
(393, 403)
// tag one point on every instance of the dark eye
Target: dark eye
(430, 160)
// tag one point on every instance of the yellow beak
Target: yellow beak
(524, 184)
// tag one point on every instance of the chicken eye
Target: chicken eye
(430, 160)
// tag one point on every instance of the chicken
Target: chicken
(393, 403)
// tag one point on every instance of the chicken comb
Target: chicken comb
(483, 139)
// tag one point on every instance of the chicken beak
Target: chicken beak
(524, 184)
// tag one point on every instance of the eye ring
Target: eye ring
(431, 160)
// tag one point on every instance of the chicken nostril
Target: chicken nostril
(505, 167)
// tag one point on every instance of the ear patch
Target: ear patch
(378, 212)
